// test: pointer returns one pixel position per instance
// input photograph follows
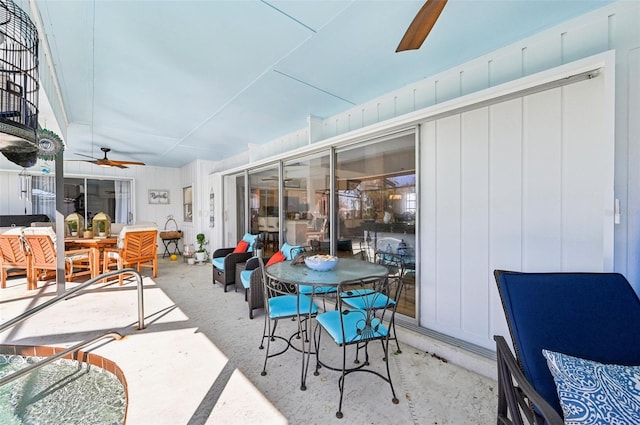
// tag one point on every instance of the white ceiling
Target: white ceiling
(168, 82)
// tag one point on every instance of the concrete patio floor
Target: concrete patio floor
(198, 362)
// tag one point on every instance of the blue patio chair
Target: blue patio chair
(350, 326)
(281, 301)
(395, 265)
(583, 321)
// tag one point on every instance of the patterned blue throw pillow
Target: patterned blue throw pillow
(595, 393)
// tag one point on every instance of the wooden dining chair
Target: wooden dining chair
(41, 242)
(137, 247)
(15, 259)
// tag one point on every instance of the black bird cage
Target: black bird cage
(18, 82)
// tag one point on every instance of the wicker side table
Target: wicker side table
(240, 267)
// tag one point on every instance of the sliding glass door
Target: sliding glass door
(376, 203)
(234, 202)
(372, 207)
(306, 200)
(264, 200)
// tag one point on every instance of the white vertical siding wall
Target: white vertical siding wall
(628, 156)
(222, 207)
(196, 175)
(10, 202)
(525, 184)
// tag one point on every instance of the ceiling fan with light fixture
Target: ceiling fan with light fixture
(106, 162)
(421, 25)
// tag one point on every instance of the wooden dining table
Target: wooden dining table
(95, 245)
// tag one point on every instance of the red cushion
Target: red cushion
(241, 247)
(276, 258)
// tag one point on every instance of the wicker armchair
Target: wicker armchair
(251, 279)
(224, 262)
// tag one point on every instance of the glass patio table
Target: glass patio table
(301, 275)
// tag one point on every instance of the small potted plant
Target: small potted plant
(74, 228)
(201, 253)
(101, 228)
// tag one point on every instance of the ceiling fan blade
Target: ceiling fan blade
(106, 162)
(116, 162)
(421, 25)
(86, 156)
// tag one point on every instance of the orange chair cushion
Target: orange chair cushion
(241, 247)
(276, 258)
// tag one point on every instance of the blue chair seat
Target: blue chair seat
(218, 263)
(319, 290)
(370, 300)
(356, 328)
(287, 306)
(245, 278)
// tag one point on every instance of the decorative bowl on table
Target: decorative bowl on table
(321, 263)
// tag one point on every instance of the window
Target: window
(86, 197)
(410, 203)
(187, 200)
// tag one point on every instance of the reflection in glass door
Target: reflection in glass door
(306, 200)
(376, 204)
(264, 202)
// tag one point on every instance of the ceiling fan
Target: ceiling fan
(421, 25)
(106, 162)
(275, 179)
